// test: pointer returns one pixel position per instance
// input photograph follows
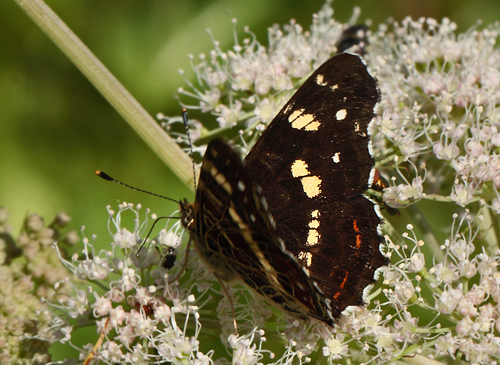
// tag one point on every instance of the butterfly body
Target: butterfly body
(291, 220)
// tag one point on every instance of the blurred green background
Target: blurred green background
(55, 129)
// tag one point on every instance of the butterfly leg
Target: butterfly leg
(226, 293)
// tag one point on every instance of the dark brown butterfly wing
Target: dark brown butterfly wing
(314, 163)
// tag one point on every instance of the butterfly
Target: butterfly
(292, 220)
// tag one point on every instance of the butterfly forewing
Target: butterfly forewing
(323, 128)
(313, 163)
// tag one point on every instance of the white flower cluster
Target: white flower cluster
(440, 95)
(143, 319)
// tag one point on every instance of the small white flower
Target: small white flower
(335, 347)
(449, 300)
(417, 262)
(125, 239)
(102, 306)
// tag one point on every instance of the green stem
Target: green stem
(124, 103)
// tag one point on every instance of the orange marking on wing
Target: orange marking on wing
(358, 237)
(335, 296)
(376, 178)
(358, 241)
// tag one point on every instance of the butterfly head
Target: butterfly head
(187, 214)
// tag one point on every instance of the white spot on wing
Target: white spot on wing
(370, 148)
(288, 108)
(336, 157)
(241, 186)
(306, 258)
(341, 114)
(371, 178)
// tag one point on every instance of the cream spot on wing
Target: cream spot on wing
(341, 114)
(299, 168)
(243, 227)
(334, 87)
(336, 157)
(306, 258)
(241, 186)
(302, 121)
(221, 180)
(357, 128)
(295, 114)
(313, 126)
(320, 80)
(313, 235)
(299, 120)
(311, 186)
(314, 223)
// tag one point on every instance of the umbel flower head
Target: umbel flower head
(437, 142)
(29, 268)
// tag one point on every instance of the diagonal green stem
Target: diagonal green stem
(124, 103)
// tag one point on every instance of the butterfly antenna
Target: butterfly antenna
(149, 234)
(185, 119)
(106, 177)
